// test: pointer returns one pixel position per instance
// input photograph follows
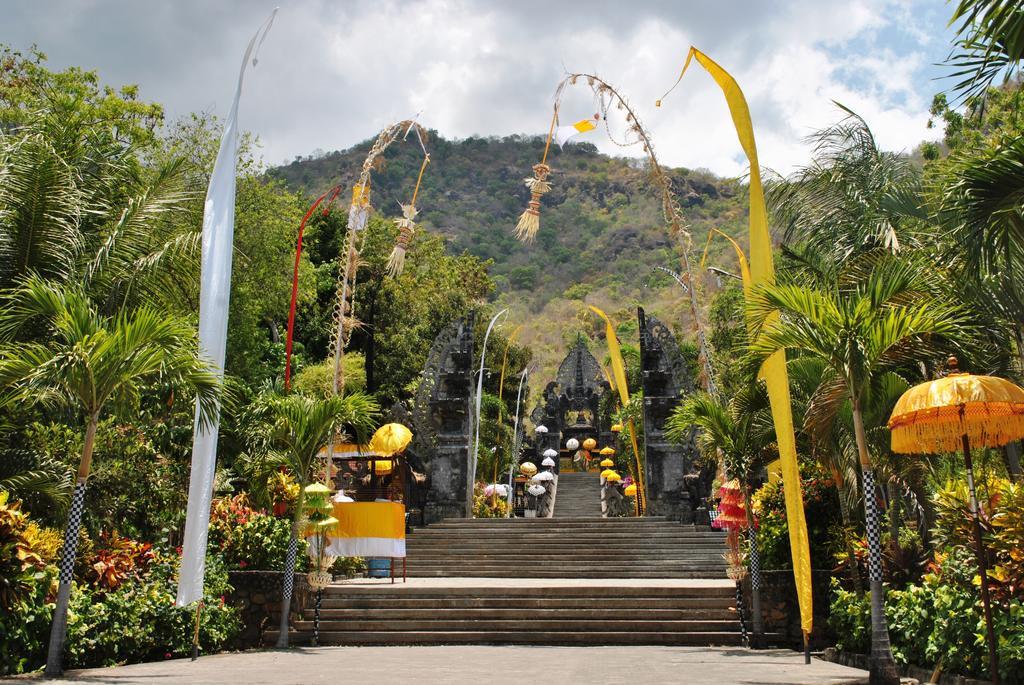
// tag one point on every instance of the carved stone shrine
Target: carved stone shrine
(676, 486)
(442, 422)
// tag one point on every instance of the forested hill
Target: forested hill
(601, 233)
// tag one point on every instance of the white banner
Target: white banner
(214, 298)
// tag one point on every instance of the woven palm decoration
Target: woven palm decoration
(359, 211)
(318, 511)
(731, 514)
(538, 185)
(406, 225)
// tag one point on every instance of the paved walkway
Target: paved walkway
(490, 665)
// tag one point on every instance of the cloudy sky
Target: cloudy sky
(332, 73)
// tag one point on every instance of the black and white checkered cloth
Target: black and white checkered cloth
(755, 561)
(289, 567)
(874, 533)
(67, 554)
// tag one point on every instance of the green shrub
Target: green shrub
(25, 585)
(939, 618)
(25, 629)
(138, 621)
(850, 618)
(248, 539)
(822, 512)
(260, 543)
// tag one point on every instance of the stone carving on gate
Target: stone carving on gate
(676, 485)
(442, 422)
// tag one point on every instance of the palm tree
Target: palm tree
(24, 474)
(743, 436)
(77, 208)
(990, 42)
(852, 197)
(302, 427)
(91, 363)
(979, 198)
(862, 330)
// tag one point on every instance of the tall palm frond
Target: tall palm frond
(304, 425)
(990, 43)
(89, 361)
(40, 210)
(141, 240)
(981, 201)
(852, 197)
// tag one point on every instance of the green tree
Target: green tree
(990, 43)
(852, 198)
(742, 434)
(89, 363)
(399, 316)
(302, 426)
(861, 331)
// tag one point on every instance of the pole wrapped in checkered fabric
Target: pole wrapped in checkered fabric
(755, 560)
(289, 568)
(742, 615)
(873, 530)
(67, 554)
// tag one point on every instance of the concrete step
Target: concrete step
(528, 559)
(562, 625)
(576, 592)
(609, 562)
(555, 534)
(452, 572)
(600, 610)
(521, 613)
(700, 639)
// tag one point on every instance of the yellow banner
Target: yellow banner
(762, 270)
(619, 374)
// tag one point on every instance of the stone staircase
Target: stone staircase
(591, 614)
(579, 494)
(565, 547)
(570, 580)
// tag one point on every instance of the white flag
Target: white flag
(214, 297)
(563, 134)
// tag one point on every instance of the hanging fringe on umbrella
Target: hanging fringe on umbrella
(529, 221)
(406, 226)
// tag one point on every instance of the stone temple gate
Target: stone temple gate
(442, 423)
(676, 485)
(570, 406)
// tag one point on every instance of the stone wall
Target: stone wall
(257, 594)
(781, 613)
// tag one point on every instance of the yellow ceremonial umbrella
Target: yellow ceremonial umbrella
(616, 428)
(391, 438)
(607, 451)
(611, 476)
(607, 463)
(630, 490)
(589, 444)
(953, 413)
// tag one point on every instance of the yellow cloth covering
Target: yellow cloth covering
(368, 529)
(932, 417)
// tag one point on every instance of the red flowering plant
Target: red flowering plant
(245, 537)
(118, 559)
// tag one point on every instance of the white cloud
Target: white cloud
(332, 74)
